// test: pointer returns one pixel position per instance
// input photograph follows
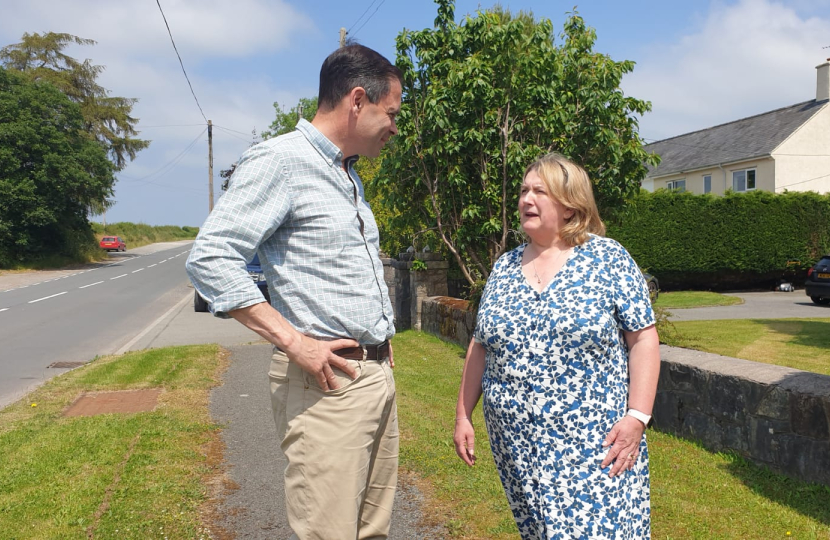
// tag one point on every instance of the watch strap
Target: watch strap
(641, 416)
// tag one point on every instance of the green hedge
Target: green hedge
(739, 240)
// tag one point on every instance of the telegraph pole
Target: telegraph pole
(342, 37)
(210, 166)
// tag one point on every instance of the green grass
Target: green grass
(134, 234)
(144, 475)
(113, 475)
(141, 234)
(797, 343)
(692, 299)
(695, 493)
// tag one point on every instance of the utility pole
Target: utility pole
(342, 37)
(210, 166)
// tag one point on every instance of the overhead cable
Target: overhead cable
(180, 61)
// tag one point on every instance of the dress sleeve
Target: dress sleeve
(632, 302)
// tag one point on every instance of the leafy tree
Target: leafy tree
(482, 100)
(107, 119)
(50, 171)
(286, 121)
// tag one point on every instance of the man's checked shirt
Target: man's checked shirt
(290, 199)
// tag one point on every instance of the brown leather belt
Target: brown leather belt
(373, 352)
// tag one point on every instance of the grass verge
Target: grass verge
(88, 250)
(693, 299)
(797, 343)
(113, 475)
(141, 234)
(695, 493)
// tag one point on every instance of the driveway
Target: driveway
(758, 305)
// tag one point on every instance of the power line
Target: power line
(370, 17)
(170, 164)
(361, 16)
(229, 129)
(803, 181)
(231, 133)
(180, 60)
(172, 125)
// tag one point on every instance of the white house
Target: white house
(784, 149)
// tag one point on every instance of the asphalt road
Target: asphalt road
(74, 316)
(758, 305)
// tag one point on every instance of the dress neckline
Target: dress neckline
(555, 278)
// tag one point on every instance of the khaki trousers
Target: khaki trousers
(341, 447)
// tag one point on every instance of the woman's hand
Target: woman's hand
(624, 439)
(464, 439)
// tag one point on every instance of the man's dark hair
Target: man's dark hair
(352, 66)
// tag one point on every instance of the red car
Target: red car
(113, 243)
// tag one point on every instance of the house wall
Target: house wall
(802, 162)
(764, 177)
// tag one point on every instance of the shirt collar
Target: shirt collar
(327, 149)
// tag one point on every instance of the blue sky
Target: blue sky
(699, 62)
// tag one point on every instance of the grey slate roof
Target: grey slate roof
(747, 138)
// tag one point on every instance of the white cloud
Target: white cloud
(746, 58)
(134, 46)
(202, 28)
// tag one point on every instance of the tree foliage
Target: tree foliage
(286, 121)
(482, 100)
(107, 119)
(50, 171)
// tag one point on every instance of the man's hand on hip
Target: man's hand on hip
(315, 357)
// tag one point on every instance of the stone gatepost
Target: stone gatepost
(423, 283)
(396, 276)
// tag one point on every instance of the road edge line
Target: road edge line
(153, 324)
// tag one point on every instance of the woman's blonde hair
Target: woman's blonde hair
(569, 184)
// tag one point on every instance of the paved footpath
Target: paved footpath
(255, 507)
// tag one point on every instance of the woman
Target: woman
(566, 357)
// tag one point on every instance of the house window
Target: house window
(677, 185)
(707, 183)
(743, 180)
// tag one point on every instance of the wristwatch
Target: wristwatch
(641, 416)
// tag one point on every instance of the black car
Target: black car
(254, 270)
(818, 282)
(653, 286)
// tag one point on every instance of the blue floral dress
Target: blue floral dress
(555, 382)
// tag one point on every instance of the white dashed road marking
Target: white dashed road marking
(47, 297)
(91, 284)
(116, 277)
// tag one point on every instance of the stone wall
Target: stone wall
(408, 287)
(448, 319)
(776, 416)
(772, 415)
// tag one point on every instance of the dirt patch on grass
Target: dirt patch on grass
(123, 401)
(216, 480)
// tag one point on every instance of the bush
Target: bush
(738, 240)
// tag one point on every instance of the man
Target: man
(297, 200)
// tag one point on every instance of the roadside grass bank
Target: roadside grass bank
(693, 299)
(88, 250)
(796, 343)
(695, 493)
(139, 475)
(141, 234)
